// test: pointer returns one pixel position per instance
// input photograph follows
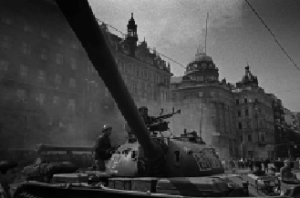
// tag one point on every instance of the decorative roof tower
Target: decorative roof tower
(202, 69)
(248, 79)
(131, 37)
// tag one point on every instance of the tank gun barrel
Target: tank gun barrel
(83, 22)
(166, 116)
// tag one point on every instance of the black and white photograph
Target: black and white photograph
(149, 98)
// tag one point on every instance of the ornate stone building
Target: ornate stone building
(50, 92)
(145, 73)
(254, 118)
(280, 126)
(207, 105)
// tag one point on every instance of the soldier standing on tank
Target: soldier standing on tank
(8, 175)
(146, 118)
(144, 113)
(103, 148)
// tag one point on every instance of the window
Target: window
(248, 124)
(260, 124)
(59, 59)
(5, 41)
(239, 113)
(23, 70)
(55, 99)
(200, 94)
(135, 89)
(166, 82)
(142, 84)
(246, 112)
(245, 100)
(21, 94)
(249, 138)
(27, 28)
(163, 95)
(44, 34)
(3, 66)
(40, 97)
(150, 75)
(6, 20)
(57, 78)
(73, 63)
(72, 82)
(240, 125)
(43, 54)
(237, 101)
(41, 75)
(256, 100)
(71, 104)
(262, 138)
(25, 48)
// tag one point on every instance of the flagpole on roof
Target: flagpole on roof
(205, 33)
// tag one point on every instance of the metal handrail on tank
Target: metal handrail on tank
(83, 22)
(47, 147)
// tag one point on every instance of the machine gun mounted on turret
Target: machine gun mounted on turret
(158, 124)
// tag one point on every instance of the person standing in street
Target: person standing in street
(103, 148)
(8, 173)
(286, 173)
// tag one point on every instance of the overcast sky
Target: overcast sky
(235, 35)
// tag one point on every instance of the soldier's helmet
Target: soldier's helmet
(106, 127)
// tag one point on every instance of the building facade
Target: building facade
(50, 92)
(279, 127)
(145, 73)
(288, 117)
(254, 118)
(207, 106)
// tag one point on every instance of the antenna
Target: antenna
(206, 33)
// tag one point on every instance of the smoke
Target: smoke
(195, 116)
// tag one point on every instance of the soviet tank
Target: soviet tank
(148, 164)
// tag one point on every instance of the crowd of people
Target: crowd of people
(262, 167)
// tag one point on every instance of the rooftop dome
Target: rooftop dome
(200, 56)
